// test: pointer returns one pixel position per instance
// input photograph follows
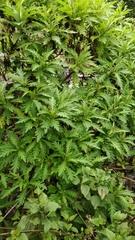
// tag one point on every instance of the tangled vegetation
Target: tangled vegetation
(67, 120)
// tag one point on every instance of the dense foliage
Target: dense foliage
(131, 6)
(67, 120)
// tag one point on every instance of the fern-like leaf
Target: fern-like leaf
(45, 172)
(112, 210)
(15, 164)
(61, 168)
(22, 155)
(70, 173)
(3, 180)
(6, 149)
(39, 133)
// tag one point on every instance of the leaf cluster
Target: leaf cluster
(66, 115)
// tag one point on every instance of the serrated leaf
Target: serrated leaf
(68, 122)
(37, 104)
(31, 146)
(70, 174)
(23, 119)
(28, 125)
(46, 40)
(116, 145)
(13, 138)
(35, 66)
(62, 167)
(22, 155)
(45, 173)
(3, 180)
(118, 80)
(54, 123)
(8, 192)
(56, 39)
(39, 133)
(62, 114)
(15, 164)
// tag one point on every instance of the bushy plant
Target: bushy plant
(66, 120)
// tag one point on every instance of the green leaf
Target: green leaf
(6, 149)
(8, 192)
(43, 199)
(52, 207)
(39, 133)
(62, 167)
(74, 229)
(119, 216)
(95, 201)
(28, 125)
(37, 104)
(3, 180)
(111, 235)
(71, 218)
(103, 191)
(22, 236)
(35, 221)
(65, 215)
(16, 164)
(13, 138)
(116, 145)
(32, 206)
(56, 39)
(23, 222)
(55, 225)
(16, 37)
(38, 191)
(54, 123)
(16, 232)
(16, 216)
(85, 189)
(1, 219)
(47, 225)
(45, 172)
(35, 66)
(98, 221)
(76, 181)
(22, 155)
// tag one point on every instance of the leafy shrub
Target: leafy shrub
(59, 132)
